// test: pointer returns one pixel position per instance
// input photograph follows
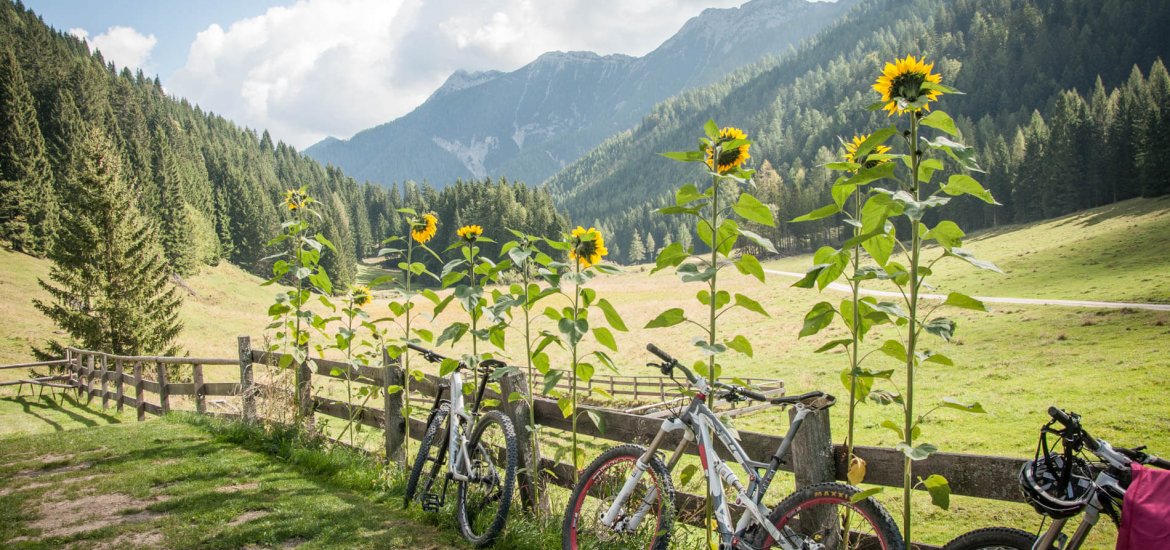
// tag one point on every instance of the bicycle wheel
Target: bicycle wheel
(993, 538)
(823, 516)
(644, 520)
(484, 499)
(432, 453)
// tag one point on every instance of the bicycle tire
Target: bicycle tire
(594, 477)
(822, 499)
(425, 446)
(993, 538)
(484, 458)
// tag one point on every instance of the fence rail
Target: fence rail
(111, 377)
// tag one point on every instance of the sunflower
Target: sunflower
(361, 295)
(470, 232)
(587, 246)
(901, 82)
(729, 159)
(851, 152)
(422, 229)
(295, 199)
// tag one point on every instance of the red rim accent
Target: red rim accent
(585, 492)
(822, 500)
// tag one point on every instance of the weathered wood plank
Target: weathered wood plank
(247, 391)
(36, 364)
(200, 391)
(340, 409)
(150, 386)
(152, 408)
(221, 388)
(180, 388)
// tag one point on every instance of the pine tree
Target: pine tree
(110, 284)
(637, 250)
(651, 246)
(28, 206)
(176, 231)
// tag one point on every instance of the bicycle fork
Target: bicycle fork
(611, 516)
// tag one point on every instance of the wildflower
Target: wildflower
(361, 295)
(587, 246)
(729, 159)
(851, 152)
(901, 84)
(422, 229)
(295, 199)
(469, 232)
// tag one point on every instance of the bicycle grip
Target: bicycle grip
(752, 394)
(661, 354)
(1060, 416)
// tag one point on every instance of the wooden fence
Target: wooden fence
(815, 458)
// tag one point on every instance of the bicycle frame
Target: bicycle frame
(698, 422)
(458, 459)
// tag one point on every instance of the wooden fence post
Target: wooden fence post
(164, 394)
(119, 393)
(533, 489)
(105, 382)
(247, 393)
(69, 364)
(812, 450)
(88, 378)
(395, 423)
(139, 392)
(304, 391)
(200, 398)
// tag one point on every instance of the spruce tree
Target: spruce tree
(110, 284)
(175, 234)
(637, 251)
(28, 206)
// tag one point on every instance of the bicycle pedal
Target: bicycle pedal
(431, 502)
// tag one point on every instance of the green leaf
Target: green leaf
(962, 184)
(567, 406)
(939, 489)
(858, 497)
(878, 137)
(573, 330)
(841, 193)
(951, 403)
(687, 194)
(843, 342)
(879, 247)
(750, 304)
(749, 265)
(751, 209)
(708, 348)
(939, 359)
(819, 317)
(947, 233)
(963, 301)
(820, 213)
(940, 121)
(684, 156)
(598, 420)
(605, 338)
(584, 372)
(971, 259)
(894, 349)
(551, 378)
(496, 337)
(393, 389)
(452, 333)
(726, 236)
(758, 240)
(611, 315)
(895, 427)
(942, 327)
(448, 366)
(876, 210)
(810, 277)
(668, 318)
(740, 344)
(711, 129)
(918, 452)
(671, 256)
(687, 474)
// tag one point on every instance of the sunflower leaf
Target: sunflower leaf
(751, 209)
(941, 121)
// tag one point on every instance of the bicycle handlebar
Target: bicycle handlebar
(427, 354)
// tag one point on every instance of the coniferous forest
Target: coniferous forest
(1068, 108)
(210, 189)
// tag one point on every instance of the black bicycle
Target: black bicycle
(1060, 483)
(483, 464)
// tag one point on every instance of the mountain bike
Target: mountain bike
(625, 498)
(483, 465)
(1060, 485)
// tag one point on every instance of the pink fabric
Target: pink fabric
(1145, 515)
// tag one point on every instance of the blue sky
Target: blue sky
(307, 69)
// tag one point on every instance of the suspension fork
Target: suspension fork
(640, 467)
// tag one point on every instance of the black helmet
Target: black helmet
(1054, 490)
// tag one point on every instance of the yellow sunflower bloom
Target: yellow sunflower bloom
(361, 295)
(902, 81)
(423, 229)
(469, 232)
(295, 199)
(587, 246)
(729, 159)
(851, 152)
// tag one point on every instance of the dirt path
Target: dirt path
(841, 287)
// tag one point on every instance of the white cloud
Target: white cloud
(333, 67)
(124, 46)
